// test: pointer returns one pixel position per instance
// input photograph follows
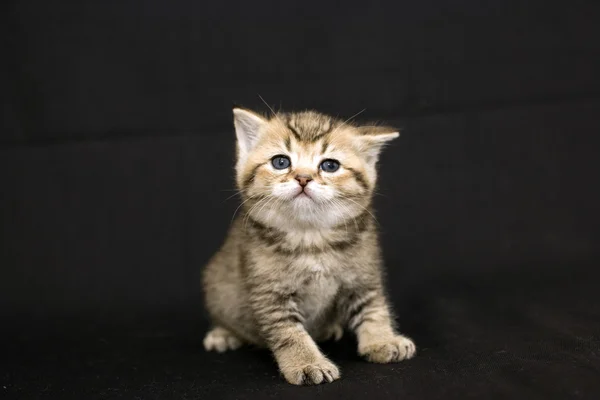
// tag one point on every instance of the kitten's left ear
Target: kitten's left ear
(374, 138)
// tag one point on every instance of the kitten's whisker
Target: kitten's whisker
(355, 223)
(348, 120)
(322, 207)
(233, 195)
(247, 214)
(354, 220)
(241, 204)
(380, 194)
(276, 206)
(266, 203)
(272, 111)
(355, 115)
(363, 207)
(339, 205)
(262, 202)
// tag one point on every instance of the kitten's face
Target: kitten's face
(306, 169)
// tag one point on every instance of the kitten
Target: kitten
(302, 262)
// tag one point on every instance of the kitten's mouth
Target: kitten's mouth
(303, 194)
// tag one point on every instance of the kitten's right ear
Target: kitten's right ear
(248, 126)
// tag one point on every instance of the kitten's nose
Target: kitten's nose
(303, 179)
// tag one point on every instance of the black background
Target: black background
(116, 164)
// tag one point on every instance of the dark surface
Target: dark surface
(486, 337)
(116, 169)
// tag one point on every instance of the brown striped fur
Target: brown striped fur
(296, 269)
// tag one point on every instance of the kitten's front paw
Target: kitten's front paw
(397, 348)
(311, 374)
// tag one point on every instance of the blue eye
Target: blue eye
(280, 162)
(330, 165)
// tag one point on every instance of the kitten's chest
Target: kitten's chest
(316, 284)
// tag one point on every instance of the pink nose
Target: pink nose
(303, 179)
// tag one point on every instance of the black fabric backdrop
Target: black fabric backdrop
(116, 165)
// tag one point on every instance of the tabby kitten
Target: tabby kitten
(302, 261)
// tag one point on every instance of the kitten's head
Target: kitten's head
(306, 169)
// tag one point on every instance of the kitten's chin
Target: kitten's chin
(303, 213)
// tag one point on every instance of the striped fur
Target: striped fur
(297, 268)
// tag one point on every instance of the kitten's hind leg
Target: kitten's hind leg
(221, 340)
(333, 332)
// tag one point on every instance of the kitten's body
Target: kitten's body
(302, 261)
(313, 277)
